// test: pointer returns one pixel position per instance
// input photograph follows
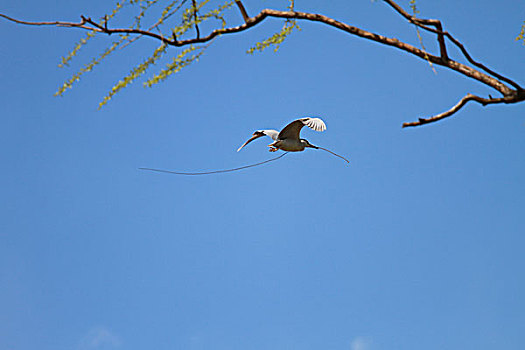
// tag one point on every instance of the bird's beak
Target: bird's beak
(255, 136)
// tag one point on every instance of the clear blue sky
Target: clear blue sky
(417, 244)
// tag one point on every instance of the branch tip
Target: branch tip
(467, 98)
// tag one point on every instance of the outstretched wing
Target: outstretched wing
(271, 133)
(292, 130)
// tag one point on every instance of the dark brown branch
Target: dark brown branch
(194, 4)
(243, 10)
(478, 64)
(422, 23)
(458, 106)
(253, 21)
(459, 67)
(490, 78)
(97, 27)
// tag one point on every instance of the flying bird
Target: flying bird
(288, 139)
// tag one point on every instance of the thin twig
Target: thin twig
(80, 24)
(156, 24)
(194, 4)
(456, 108)
(421, 23)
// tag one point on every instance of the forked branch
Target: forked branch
(511, 91)
(424, 23)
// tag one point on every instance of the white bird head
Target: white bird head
(308, 144)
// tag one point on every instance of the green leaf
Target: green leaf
(521, 35)
(134, 74)
(68, 84)
(180, 61)
(276, 39)
(64, 61)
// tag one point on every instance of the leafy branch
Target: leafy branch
(510, 91)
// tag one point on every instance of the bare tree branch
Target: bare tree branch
(243, 10)
(194, 4)
(422, 23)
(483, 75)
(457, 107)
(80, 24)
